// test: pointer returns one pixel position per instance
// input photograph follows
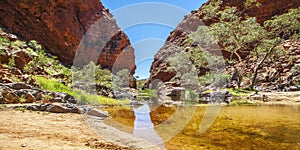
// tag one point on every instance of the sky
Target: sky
(148, 24)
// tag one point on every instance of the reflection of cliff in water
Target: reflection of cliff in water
(143, 126)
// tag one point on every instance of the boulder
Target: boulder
(98, 113)
(62, 109)
(30, 98)
(10, 97)
(2, 100)
(21, 58)
(19, 85)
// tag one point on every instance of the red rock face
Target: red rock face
(60, 25)
(266, 11)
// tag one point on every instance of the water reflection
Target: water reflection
(245, 127)
(143, 126)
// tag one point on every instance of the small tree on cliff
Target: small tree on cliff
(237, 36)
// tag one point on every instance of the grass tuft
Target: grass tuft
(52, 85)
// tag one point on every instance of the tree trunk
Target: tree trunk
(258, 65)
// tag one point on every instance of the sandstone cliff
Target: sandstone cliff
(190, 23)
(61, 25)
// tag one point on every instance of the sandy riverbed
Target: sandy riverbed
(41, 130)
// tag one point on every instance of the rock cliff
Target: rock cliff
(61, 25)
(190, 23)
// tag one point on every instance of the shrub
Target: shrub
(52, 85)
(91, 99)
(11, 62)
(22, 99)
(286, 25)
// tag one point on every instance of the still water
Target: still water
(235, 127)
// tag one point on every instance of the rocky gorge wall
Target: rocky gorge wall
(60, 25)
(268, 9)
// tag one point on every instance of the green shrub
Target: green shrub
(4, 42)
(241, 102)
(11, 62)
(52, 85)
(22, 109)
(22, 99)
(286, 25)
(238, 92)
(84, 98)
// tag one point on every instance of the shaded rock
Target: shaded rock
(30, 98)
(72, 100)
(293, 88)
(56, 100)
(98, 113)
(4, 57)
(21, 58)
(10, 97)
(170, 93)
(2, 100)
(220, 96)
(123, 94)
(19, 85)
(62, 109)
(16, 72)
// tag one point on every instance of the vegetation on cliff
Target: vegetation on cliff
(27, 62)
(250, 49)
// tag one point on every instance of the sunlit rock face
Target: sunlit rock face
(60, 26)
(268, 8)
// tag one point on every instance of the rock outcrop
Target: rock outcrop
(61, 27)
(266, 11)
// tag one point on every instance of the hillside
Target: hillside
(63, 27)
(243, 32)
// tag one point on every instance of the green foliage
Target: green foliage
(84, 98)
(121, 79)
(48, 97)
(185, 70)
(4, 42)
(147, 93)
(2, 52)
(52, 85)
(251, 3)
(22, 109)
(241, 102)
(141, 83)
(211, 11)
(296, 70)
(218, 80)
(34, 45)
(286, 25)
(92, 73)
(11, 62)
(238, 92)
(103, 76)
(237, 35)
(18, 44)
(22, 99)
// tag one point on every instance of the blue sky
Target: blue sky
(148, 24)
